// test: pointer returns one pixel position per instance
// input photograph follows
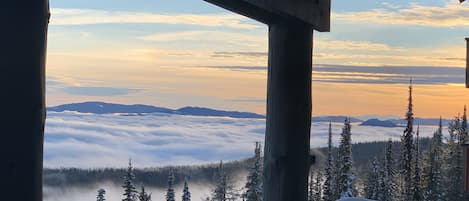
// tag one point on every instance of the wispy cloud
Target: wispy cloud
(237, 54)
(86, 87)
(450, 15)
(98, 91)
(212, 36)
(388, 74)
(327, 44)
(375, 74)
(61, 16)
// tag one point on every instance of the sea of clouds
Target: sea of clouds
(109, 140)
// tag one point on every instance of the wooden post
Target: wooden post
(467, 62)
(286, 156)
(287, 139)
(22, 81)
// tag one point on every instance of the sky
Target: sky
(176, 53)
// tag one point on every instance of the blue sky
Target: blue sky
(168, 53)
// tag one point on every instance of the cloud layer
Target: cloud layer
(372, 74)
(61, 16)
(89, 140)
(449, 15)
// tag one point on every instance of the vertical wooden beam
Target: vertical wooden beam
(286, 152)
(467, 62)
(22, 83)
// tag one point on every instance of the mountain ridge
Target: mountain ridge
(96, 107)
(112, 108)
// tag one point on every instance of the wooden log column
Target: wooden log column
(467, 62)
(286, 155)
(22, 83)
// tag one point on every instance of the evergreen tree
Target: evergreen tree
(100, 196)
(143, 195)
(223, 188)
(417, 195)
(463, 132)
(129, 188)
(170, 196)
(254, 179)
(186, 194)
(317, 187)
(328, 183)
(381, 195)
(407, 152)
(454, 170)
(346, 177)
(433, 169)
(373, 181)
(336, 182)
(389, 185)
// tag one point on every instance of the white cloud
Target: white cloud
(62, 16)
(88, 140)
(450, 15)
(208, 36)
(352, 45)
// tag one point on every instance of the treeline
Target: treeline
(152, 177)
(156, 177)
(224, 189)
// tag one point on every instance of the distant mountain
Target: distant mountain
(422, 121)
(380, 123)
(138, 109)
(335, 119)
(200, 111)
(110, 108)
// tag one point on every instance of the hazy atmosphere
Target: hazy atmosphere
(174, 54)
(171, 96)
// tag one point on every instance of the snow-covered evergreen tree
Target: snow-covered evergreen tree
(463, 132)
(223, 188)
(381, 195)
(346, 177)
(454, 169)
(329, 180)
(389, 185)
(336, 186)
(407, 150)
(373, 181)
(254, 179)
(417, 195)
(317, 187)
(100, 196)
(186, 194)
(170, 195)
(433, 167)
(143, 195)
(130, 193)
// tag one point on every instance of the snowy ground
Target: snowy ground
(90, 140)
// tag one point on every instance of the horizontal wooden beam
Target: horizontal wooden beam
(245, 8)
(313, 12)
